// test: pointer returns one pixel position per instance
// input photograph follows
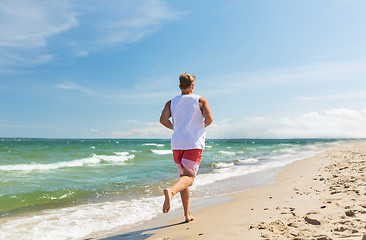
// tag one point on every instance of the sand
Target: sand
(322, 197)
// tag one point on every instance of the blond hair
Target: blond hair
(186, 80)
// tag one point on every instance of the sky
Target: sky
(105, 69)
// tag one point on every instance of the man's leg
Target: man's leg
(183, 183)
(185, 194)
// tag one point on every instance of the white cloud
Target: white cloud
(25, 27)
(139, 96)
(264, 79)
(131, 20)
(29, 27)
(74, 87)
(27, 24)
(143, 130)
(25, 125)
(349, 95)
(94, 130)
(337, 123)
(136, 122)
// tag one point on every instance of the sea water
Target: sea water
(69, 188)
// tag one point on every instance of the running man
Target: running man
(190, 115)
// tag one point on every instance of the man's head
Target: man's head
(186, 80)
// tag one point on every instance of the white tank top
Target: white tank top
(188, 123)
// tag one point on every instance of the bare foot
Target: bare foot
(189, 217)
(168, 198)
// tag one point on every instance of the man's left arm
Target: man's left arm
(165, 115)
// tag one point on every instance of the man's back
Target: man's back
(188, 122)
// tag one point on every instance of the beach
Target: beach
(112, 188)
(322, 197)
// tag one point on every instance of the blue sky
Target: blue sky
(104, 69)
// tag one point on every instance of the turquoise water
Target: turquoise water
(85, 185)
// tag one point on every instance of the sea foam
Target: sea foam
(227, 153)
(223, 165)
(161, 152)
(82, 220)
(153, 144)
(248, 160)
(93, 160)
(229, 171)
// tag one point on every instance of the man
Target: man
(190, 114)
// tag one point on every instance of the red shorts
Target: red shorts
(189, 159)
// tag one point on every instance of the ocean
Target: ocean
(69, 188)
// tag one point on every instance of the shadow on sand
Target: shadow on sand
(140, 234)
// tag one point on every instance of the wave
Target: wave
(79, 221)
(121, 153)
(224, 173)
(286, 150)
(236, 162)
(20, 201)
(248, 160)
(162, 152)
(240, 170)
(227, 153)
(93, 160)
(153, 144)
(223, 165)
(250, 149)
(286, 145)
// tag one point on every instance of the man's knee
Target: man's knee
(190, 182)
(189, 176)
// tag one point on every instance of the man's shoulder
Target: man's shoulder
(202, 99)
(195, 96)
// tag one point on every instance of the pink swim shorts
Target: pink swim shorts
(189, 159)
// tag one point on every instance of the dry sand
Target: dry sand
(322, 197)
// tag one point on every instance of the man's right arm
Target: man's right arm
(165, 115)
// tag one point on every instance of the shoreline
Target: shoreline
(196, 204)
(301, 204)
